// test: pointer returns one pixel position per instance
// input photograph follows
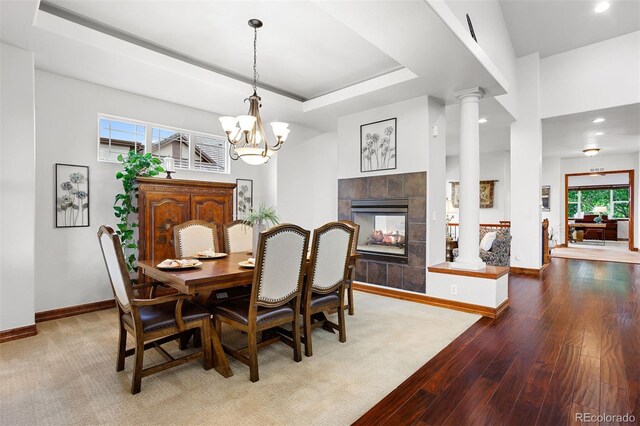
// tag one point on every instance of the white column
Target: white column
(468, 247)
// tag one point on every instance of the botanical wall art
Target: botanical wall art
(72, 196)
(244, 198)
(486, 194)
(378, 145)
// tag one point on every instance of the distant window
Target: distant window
(171, 143)
(615, 199)
(190, 150)
(119, 137)
(210, 153)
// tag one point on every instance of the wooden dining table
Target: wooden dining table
(212, 276)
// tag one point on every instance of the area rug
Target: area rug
(597, 253)
(66, 374)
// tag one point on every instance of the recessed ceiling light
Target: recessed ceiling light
(599, 133)
(602, 6)
(598, 120)
(482, 120)
(590, 152)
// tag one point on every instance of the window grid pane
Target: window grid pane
(171, 143)
(119, 137)
(210, 153)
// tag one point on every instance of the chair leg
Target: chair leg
(205, 332)
(253, 356)
(308, 348)
(350, 296)
(136, 382)
(184, 340)
(122, 346)
(342, 333)
(297, 350)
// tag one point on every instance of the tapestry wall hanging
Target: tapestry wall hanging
(486, 194)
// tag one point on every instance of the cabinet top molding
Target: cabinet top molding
(184, 182)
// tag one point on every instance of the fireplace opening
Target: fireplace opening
(383, 229)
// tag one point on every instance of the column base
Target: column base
(471, 264)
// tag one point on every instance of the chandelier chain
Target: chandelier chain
(255, 60)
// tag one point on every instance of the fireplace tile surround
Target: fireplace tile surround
(413, 186)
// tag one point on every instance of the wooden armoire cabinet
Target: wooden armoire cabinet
(164, 203)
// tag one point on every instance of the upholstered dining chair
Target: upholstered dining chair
(324, 286)
(275, 294)
(193, 236)
(238, 236)
(352, 265)
(151, 322)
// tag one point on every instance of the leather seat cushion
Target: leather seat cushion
(163, 315)
(318, 300)
(238, 310)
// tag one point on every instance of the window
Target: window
(119, 137)
(210, 153)
(171, 143)
(584, 200)
(190, 150)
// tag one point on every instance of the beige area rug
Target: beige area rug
(66, 374)
(612, 251)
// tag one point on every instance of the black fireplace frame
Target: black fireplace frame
(384, 206)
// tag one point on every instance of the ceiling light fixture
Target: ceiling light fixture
(602, 6)
(590, 152)
(246, 133)
(599, 133)
(598, 120)
(482, 120)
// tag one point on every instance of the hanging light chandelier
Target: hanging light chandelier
(245, 133)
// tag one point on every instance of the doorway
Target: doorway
(599, 209)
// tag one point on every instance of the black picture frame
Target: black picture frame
(546, 192)
(375, 154)
(244, 198)
(71, 196)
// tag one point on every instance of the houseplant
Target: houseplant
(125, 207)
(258, 219)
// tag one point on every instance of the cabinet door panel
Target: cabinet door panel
(212, 208)
(164, 211)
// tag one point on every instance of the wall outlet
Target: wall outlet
(435, 131)
(454, 289)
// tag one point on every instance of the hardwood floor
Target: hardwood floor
(568, 344)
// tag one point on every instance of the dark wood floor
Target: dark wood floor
(569, 343)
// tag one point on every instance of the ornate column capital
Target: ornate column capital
(472, 92)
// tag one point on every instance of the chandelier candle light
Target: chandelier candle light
(246, 133)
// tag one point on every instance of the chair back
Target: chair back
(116, 266)
(330, 252)
(356, 234)
(280, 265)
(238, 236)
(193, 236)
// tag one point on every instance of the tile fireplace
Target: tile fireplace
(383, 229)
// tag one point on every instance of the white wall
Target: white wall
(66, 112)
(493, 37)
(584, 165)
(597, 76)
(412, 137)
(17, 200)
(436, 208)
(493, 166)
(526, 158)
(552, 176)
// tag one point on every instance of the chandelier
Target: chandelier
(245, 133)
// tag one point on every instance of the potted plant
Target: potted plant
(258, 219)
(552, 237)
(125, 206)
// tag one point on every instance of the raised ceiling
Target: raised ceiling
(552, 27)
(302, 50)
(566, 136)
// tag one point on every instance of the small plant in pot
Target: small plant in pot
(259, 219)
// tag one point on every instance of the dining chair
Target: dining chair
(352, 265)
(324, 286)
(275, 295)
(193, 236)
(238, 236)
(151, 322)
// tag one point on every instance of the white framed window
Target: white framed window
(119, 136)
(190, 150)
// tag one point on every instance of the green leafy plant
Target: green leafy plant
(134, 165)
(262, 215)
